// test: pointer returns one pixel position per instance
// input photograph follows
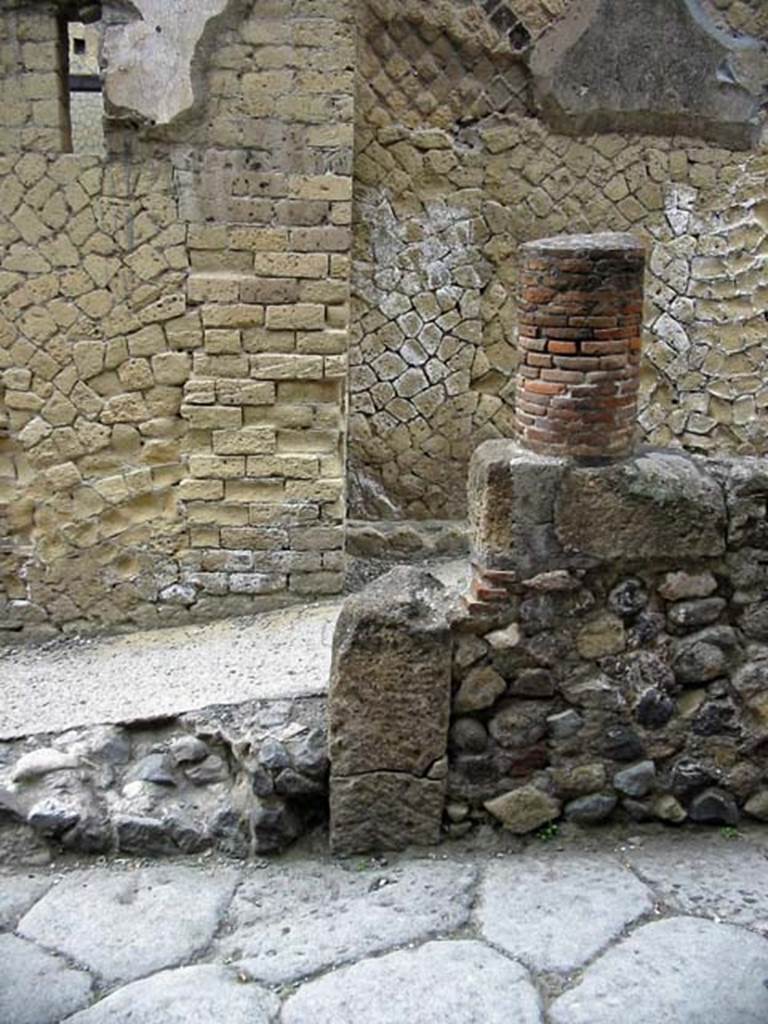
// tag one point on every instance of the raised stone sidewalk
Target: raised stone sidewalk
(651, 928)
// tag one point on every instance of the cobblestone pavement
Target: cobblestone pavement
(652, 927)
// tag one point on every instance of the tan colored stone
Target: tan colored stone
(601, 636)
(525, 809)
(247, 441)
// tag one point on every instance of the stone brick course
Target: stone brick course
(173, 335)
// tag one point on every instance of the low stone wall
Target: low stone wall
(243, 780)
(614, 653)
(612, 656)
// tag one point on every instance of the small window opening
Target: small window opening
(86, 102)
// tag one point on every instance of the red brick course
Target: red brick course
(579, 340)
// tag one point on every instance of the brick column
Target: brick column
(579, 343)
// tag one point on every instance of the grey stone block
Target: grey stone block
(554, 913)
(460, 982)
(170, 904)
(385, 811)
(335, 914)
(35, 987)
(661, 66)
(388, 713)
(654, 506)
(700, 971)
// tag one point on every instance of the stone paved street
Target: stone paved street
(637, 928)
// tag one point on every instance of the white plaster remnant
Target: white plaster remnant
(149, 61)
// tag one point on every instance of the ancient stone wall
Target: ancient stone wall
(454, 168)
(609, 661)
(612, 656)
(176, 314)
(243, 780)
(173, 333)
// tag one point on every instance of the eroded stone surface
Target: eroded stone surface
(724, 879)
(388, 713)
(440, 983)
(17, 894)
(388, 701)
(658, 503)
(289, 922)
(556, 913)
(106, 921)
(35, 987)
(683, 970)
(664, 66)
(385, 810)
(207, 994)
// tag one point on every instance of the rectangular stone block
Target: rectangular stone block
(209, 417)
(385, 811)
(286, 367)
(658, 505)
(216, 466)
(511, 494)
(322, 186)
(389, 696)
(240, 314)
(236, 391)
(254, 490)
(299, 316)
(201, 490)
(290, 264)
(256, 582)
(388, 713)
(247, 441)
(254, 538)
(213, 287)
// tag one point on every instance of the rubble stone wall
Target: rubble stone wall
(243, 780)
(173, 333)
(613, 656)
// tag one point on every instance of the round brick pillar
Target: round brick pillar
(579, 339)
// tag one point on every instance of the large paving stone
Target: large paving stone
(292, 920)
(124, 925)
(724, 879)
(35, 987)
(208, 994)
(683, 969)
(556, 912)
(440, 983)
(17, 894)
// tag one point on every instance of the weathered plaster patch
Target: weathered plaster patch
(149, 61)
